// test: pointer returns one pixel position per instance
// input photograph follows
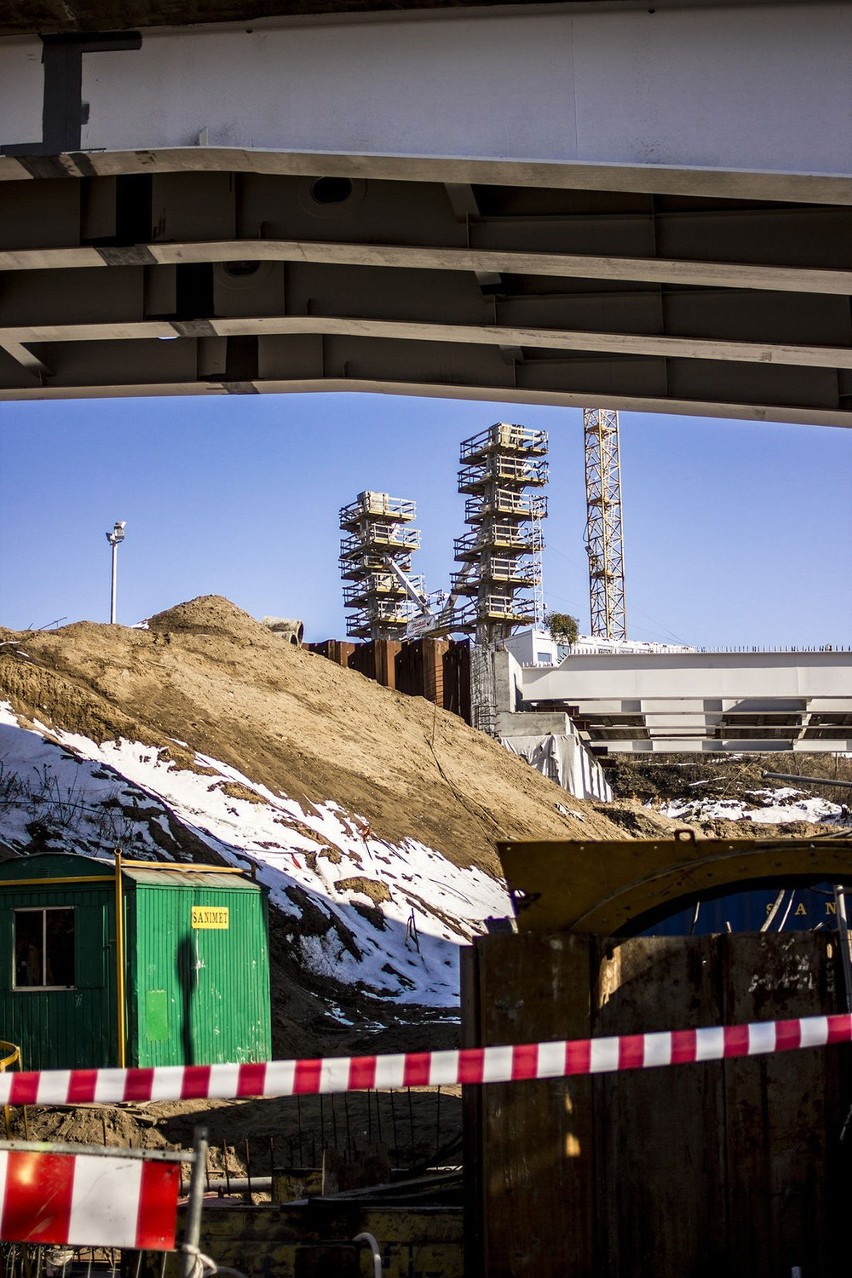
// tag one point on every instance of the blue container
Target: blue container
(800, 909)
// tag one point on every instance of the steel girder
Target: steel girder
(523, 291)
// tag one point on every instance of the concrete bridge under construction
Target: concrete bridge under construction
(647, 205)
(678, 701)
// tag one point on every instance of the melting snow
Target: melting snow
(416, 907)
(764, 807)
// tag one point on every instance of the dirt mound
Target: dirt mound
(666, 777)
(636, 822)
(210, 615)
(207, 674)
(206, 679)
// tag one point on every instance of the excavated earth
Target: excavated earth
(206, 673)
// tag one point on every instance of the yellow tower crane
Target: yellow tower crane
(604, 539)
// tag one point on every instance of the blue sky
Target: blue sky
(735, 533)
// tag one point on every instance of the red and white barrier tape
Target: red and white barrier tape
(419, 1069)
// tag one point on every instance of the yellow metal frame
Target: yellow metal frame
(602, 887)
(77, 878)
(137, 865)
(13, 1058)
(185, 869)
(14, 1054)
(120, 998)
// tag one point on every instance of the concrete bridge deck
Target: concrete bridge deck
(672, 702)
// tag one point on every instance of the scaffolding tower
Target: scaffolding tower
(500, 557)
(375, 561)
(604, 542)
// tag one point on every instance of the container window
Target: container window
(44, 948)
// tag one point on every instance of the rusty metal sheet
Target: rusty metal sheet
(787, 1171)
(659, 1134)
(733, 1166)
(536, 1160)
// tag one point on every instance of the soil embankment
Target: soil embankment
(207, 674)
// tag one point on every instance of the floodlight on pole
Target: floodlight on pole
(115, 538)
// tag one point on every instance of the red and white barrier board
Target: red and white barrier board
(417, 1069)
(88, 1200)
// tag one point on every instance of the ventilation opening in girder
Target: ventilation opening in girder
(331, 190)
(239, 270)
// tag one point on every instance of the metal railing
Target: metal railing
(355, 566)
(371, 505)
(505, 502)
(504, 435)
(508, 571)
(391, 535)
(11, 1057)
(380, 584)
(521, 470)
(505, 608)
(494, 536)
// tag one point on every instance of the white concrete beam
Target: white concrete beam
(784, 279)
(674, 702)
(718, 89)
(22, 356)
(502, 337)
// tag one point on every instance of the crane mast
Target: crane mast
(604, 539)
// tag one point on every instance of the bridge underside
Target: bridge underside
(692, 701)
(745, 725)
(23, 16)
(215, 270)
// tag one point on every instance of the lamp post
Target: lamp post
(115, 538)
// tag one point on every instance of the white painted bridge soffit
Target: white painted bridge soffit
(761, 89)
(648, 209)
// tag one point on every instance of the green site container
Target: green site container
(195, 964)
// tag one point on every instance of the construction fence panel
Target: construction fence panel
(734, 1165)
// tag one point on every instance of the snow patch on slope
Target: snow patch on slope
(763, 807)
(385, 917)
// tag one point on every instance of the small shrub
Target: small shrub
(563, 627)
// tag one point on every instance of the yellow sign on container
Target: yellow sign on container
(210, 916)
